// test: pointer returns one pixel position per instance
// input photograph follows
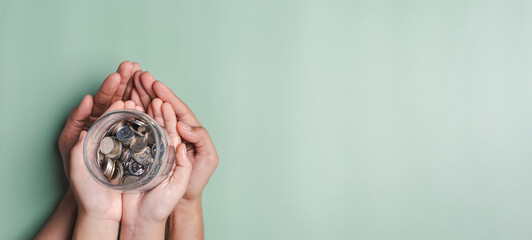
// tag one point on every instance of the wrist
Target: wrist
(93, 216)
(187, 203)
(88, 226)
(143, 230)
(68, 203)
(186, 221)
(187, 207)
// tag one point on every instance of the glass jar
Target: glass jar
(125, 166)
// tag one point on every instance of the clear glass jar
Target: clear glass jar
(153, 173)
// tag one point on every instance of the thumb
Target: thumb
(75, 122)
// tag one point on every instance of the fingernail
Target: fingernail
(186, 127)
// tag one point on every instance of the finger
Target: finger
(143, 95)
(179, 180)
(73, 126)
(129, 104)
(180, 108)
(115, 106)
(136, 67)
(102, 99)
(129, 87)
(198, 136)
(156, 105)
(131, 82)
(135, 97)
(170, 122)
(147, 81)
(139, 108)
(127, 92)
(150, 110)
(126, 71)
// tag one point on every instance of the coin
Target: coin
(108, 168)
(126, 155)
(129, 179)
(142, 129)
(118, 126)
(117, 150)
(107, 145)
(137, 122)
(112, 170)
(117, 174)
(154, 150)
(136, 168)
(115, 127)
(124, 133)
(137, 133)
(100, 158)
(138, 143)
(144, 157)
(151, 137)
(126, 163)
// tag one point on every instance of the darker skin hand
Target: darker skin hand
(200, 147)
(117, 86)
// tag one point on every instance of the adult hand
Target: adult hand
(117, 86)
(186, 221)
(144, 214)
(200, 148)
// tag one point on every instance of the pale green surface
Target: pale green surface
(333, 119)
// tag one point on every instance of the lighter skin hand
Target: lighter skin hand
(99, 208)
(93, 199)
(145, 214)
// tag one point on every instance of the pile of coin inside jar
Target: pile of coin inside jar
(126, 152)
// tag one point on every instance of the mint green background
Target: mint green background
(333, 119)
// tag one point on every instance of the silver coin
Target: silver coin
(137, 122)
(138, 144)
(126, 155)
(116, 126)
(107, 145)
(129, 179)
(117, 174)
(108, 168)
(137, 133)
(126, 164)
(154, 150)
(144, 157)
(117, 150)
(136, 168)
(151, 137)
(100, 159)
(124, 133)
